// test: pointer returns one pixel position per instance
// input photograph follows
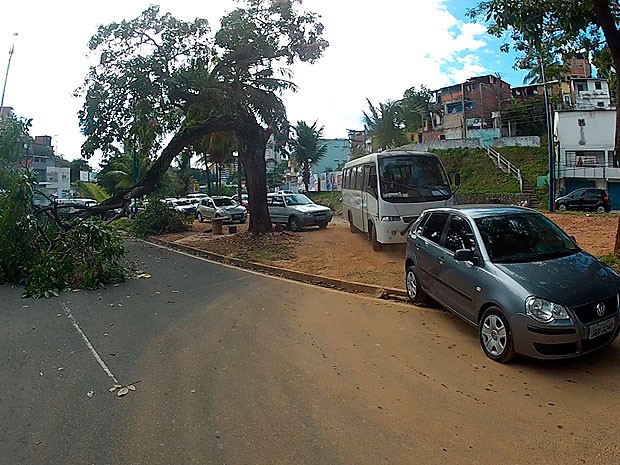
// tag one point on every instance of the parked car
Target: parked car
(182, 205)
(221, 207)
(516, 276)
(586, 199)
(297, 211)
(244, 200)
(285, 191)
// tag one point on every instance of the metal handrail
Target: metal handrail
(505, 165)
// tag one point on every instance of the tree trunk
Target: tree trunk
(612, 36)
(253, 141)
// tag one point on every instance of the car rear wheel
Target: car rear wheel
(496, 336)
(294, 224)
(600, 209)
(414, 290)
(562, 207)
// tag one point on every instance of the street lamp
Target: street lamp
(8, 66)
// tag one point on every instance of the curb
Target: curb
(347, 286)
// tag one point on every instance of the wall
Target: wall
(338, 152)
(527, 141)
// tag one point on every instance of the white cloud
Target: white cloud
(377, 51)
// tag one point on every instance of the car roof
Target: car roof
(482, 210)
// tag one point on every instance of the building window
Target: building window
(580, 88)
(598, 85)
(600, 104)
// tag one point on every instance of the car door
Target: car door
(590, 199)
(457, 280)
(575, 202)
(428, 251)
(277, 209)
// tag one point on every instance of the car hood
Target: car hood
(233, 209)
(562, 280)
(310, 208)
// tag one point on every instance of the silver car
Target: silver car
(515, 275)
(221, 207)
(297, 211)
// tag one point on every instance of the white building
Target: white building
(58, 183)
(586, 93)
(585, 151)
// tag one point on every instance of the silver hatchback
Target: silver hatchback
(515, 275)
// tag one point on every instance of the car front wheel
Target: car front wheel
(496, 336)
(562, 207)
(322, 224)
(200, 217)
(294, 224)
(414, 289)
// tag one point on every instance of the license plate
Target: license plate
(601, 328)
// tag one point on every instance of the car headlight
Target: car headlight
(307, 214)
(544, 311)
(390, 218)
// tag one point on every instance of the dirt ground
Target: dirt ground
(336, 252)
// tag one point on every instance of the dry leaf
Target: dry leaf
(131, 387)
(122, 391)
(90, 393)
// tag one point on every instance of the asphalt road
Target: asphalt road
(230, 367)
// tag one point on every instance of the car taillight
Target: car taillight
(606, 198)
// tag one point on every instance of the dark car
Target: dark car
(586, 199)
(516, 276)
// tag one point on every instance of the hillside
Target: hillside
(479, 175)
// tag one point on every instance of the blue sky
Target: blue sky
(377, 51)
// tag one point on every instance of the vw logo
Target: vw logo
(600, 309)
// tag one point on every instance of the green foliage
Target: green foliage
(414, 106)
(528, 115)
(157, 219)
(611, 261)
(14, 144)
(89, 190)
(46, 253)
(332, 200)
(307, 147)
(385, 125)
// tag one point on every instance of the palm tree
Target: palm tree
(307, 147)
(385, 125)
(415, 108)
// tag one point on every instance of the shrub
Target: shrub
(157, 218)
(48, 251)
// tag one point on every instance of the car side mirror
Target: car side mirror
(464, 255)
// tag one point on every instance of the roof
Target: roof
(480, 210)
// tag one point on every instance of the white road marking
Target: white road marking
(88, 344)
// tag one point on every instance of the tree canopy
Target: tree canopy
(539, 28)
(166, 84)
(307, 147)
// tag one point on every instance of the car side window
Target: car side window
(278, 201)
(434, 226)
(590, 195)
(459, 234)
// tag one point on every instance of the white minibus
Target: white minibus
(382, 193)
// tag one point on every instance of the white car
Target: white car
(182, 205)
(221, 207)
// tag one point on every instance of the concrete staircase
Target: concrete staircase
(507, 166)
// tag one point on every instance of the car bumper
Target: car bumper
(315, 220)
(541, 341)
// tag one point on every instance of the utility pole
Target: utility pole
(549, 136)
(8, 66)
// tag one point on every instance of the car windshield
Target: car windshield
(224, 202)
(297, 199)
(529, 237)
(184, 202)
(418, 178)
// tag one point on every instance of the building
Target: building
(585, 154)
(468, 110)
(337, 154)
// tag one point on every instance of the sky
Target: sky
(378, 49)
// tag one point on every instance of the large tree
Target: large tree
(160, 79)
(307, 147)
(384, 124)
(556, 27)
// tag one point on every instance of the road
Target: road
(230, 367)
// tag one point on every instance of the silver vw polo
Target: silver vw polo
(515, 275)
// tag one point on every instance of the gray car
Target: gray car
(297, 211)
(516, 276)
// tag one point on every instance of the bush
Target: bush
(157, 219)
(49, 252)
